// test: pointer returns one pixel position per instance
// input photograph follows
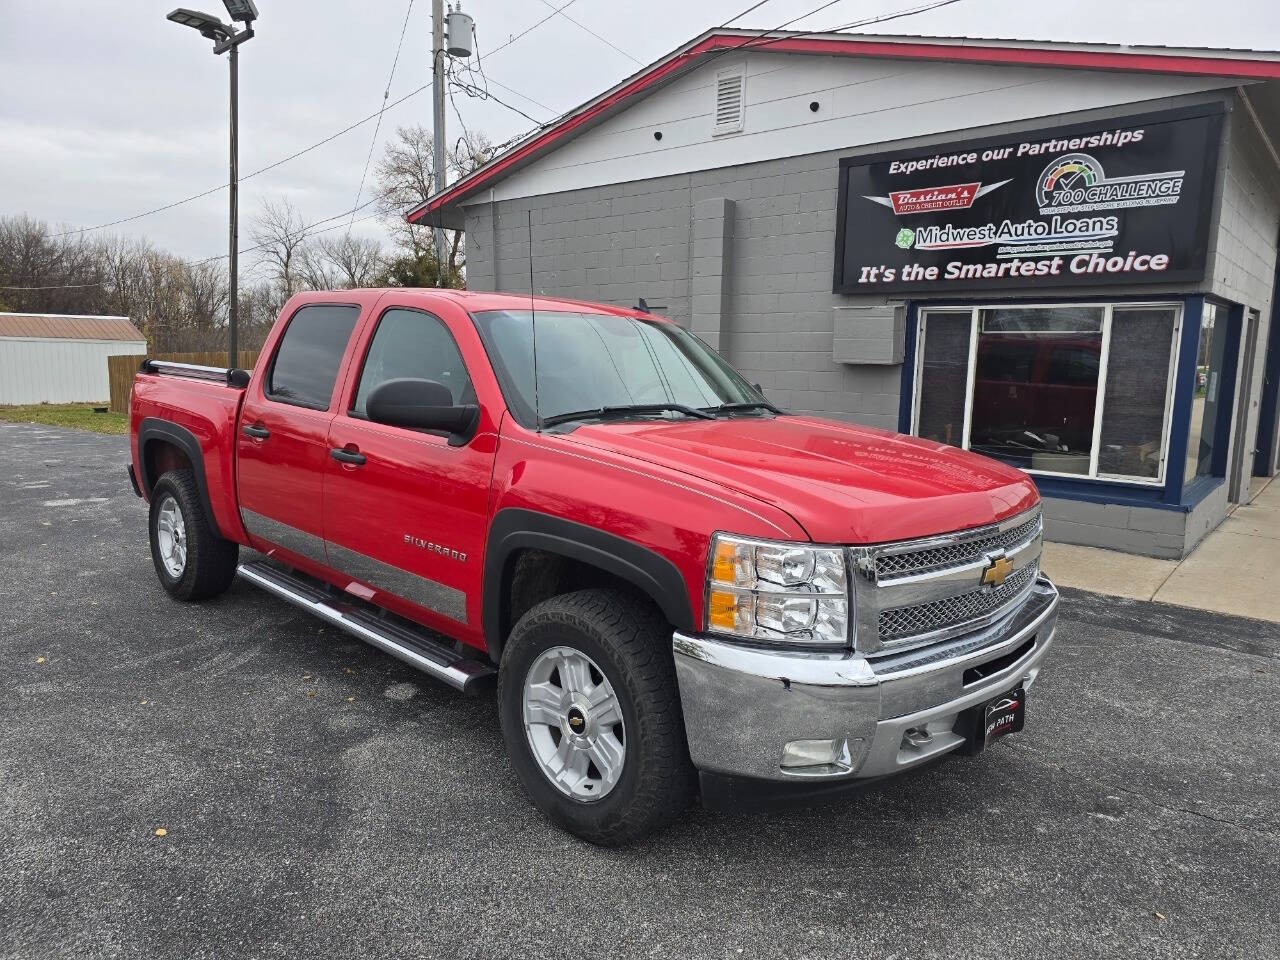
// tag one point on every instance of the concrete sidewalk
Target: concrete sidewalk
(1235, 569)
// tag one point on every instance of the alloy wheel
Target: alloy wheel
(573, 719)
(171, 537)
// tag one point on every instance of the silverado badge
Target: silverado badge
(997, 569)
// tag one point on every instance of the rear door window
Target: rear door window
(306, 363)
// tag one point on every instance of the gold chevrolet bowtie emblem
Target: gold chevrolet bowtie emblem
(997, 569)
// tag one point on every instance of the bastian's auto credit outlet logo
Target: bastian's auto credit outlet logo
(1115, 202)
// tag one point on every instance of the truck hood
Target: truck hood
(842, 483)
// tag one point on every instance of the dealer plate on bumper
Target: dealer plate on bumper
(988, 722)
(1002, 714)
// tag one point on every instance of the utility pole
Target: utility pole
(438, 136)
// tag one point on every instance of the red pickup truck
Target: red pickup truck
(677, 588)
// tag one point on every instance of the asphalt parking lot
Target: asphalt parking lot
(320, 799)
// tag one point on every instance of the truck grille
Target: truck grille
(910, 593)
(900, 622)
(955, 554)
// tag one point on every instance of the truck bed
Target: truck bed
(171, 399)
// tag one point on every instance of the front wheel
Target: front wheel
(591, 716)
(192, 562)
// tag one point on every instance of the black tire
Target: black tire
(631, 644)
(210, 562)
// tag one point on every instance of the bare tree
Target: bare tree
(350, 261)
(43, 272)
(406, 179)
(279, 233)
(179, 306)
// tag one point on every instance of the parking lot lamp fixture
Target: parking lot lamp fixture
(226, 39)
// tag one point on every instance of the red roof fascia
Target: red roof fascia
(829, 46)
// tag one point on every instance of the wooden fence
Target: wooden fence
(122, 369)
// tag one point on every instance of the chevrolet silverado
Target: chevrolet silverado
(677, 589)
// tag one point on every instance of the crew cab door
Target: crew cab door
(282, 443)
(405, 510)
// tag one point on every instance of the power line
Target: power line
(805, 16)
(485, 80)
(759, 40)
(147, 213)
(466, 134)
(923, 8)
(57, 286)
(751, 43)
(522, 96)
(334, 136)
(529, 30)
(247, 176)
(739, 16)
(303, 232)
(560, 11)
(413, 93)
(320, 143)
(373, 141)
(583, 26)
(476, 93)
(755, 42)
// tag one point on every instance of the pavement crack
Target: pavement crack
(1191, 813)
(1033, 754)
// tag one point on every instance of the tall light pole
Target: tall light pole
(225, 38)
(437, 97)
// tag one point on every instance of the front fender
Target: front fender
(515, 529)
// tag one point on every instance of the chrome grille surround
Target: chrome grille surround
(915, 592)
(954, 554)
(900, 622)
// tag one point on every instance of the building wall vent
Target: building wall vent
(730, 100)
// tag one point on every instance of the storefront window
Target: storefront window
(1076, 390)
(1035, 386)
(1204, 406)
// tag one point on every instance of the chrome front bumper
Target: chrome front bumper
(743, 705)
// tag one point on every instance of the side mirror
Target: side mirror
(421, 405)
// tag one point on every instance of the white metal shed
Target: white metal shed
(57, 358)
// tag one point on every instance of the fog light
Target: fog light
(815, 753)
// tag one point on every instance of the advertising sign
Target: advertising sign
(1123, 201)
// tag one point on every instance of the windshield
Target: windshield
(589, 361)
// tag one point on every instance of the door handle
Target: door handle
(261, 433)
(343, 455)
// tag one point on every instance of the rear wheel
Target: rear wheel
(192, 562)
(591, 716)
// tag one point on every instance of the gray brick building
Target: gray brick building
(753, 189)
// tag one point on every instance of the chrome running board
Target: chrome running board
(414, 647)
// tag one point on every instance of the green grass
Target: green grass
(77, 415)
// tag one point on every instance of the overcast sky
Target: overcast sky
(108, 109)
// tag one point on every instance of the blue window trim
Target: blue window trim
(1183, 397)
(1264, 459)
(1174, 494)
(907, 403)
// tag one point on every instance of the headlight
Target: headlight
(778, 591)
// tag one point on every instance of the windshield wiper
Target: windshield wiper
(745, 405)
(626, 410)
